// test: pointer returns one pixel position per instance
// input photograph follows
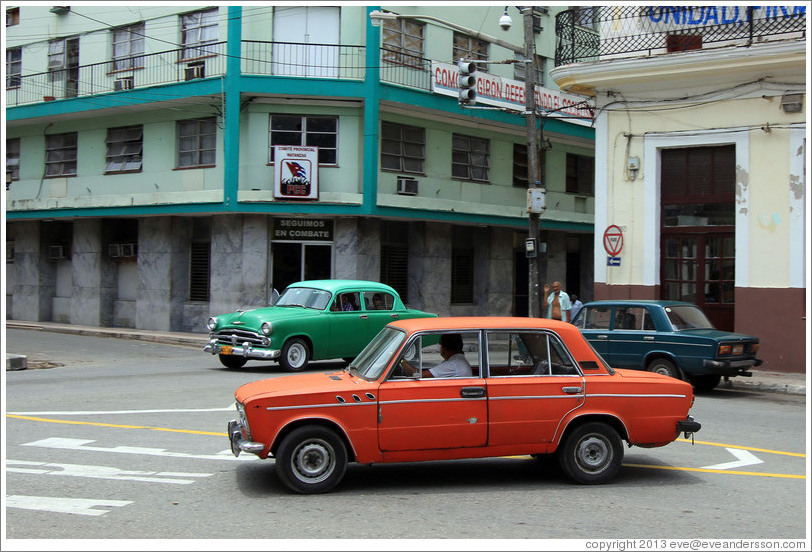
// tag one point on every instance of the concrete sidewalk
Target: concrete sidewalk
(762, 381)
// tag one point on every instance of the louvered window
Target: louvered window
(469, 48)
(13, 158)
(580, 174)
(470, 158)
(403, 148)
(124, 149)
(60, 154)
(403, 42)
(199, 271)
(395, 257)
(462, 275)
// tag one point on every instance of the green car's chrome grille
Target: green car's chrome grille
(236, 337)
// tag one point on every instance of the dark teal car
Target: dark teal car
(667, 337)
(311, 320)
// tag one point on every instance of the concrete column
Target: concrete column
(93, 276)
(500, 273)
(153, 308)
(35, 277)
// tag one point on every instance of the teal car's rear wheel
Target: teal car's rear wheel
(295, 355)
(705, 382)
(231, 361)
(665, 367)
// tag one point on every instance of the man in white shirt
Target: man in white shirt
(454, 363)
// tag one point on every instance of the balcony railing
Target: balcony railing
(604, 32)
(329, 61)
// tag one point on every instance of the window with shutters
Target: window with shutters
(60, 154)
(698, 186)
(470, 158)
(199, 270)
(124, 149)
(520, 70)
(395, 257)
(402, 42)
(580, 174)
(468, 48)
(520, 165)
(13, 158)
(197, 140)
(462, 267)
(403, 148)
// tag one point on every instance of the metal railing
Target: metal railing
(604, 32)
(293, 59)
(405, 69)
(329, 61)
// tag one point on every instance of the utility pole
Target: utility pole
(533, 179)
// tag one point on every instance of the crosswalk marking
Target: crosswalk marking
(101, 472)
(80, 506)
(81, 444)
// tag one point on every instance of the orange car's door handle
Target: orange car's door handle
(571, 390)
(472, 392)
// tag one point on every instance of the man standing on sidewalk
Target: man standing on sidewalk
(557, 303)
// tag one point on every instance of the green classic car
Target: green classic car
(311, 320)
(674, 338)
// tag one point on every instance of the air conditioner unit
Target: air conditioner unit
(60, 10)
(407, 186)
(194, 72)
(128, 249)
(56, 252)
(125, 83)
(114, 250)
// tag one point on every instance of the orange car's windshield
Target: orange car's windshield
(372, 361)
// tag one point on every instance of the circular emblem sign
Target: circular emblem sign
(613, 240)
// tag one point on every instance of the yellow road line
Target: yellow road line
(705, 470)
(218, 434)
(798, 454)
(121, 426)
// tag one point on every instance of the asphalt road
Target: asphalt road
(117, 439)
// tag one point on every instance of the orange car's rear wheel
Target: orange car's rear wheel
(311, 459)
(591, 454)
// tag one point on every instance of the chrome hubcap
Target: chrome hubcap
(593, 454)
(313, 461)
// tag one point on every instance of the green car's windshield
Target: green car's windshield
(687, 317)
(372, 361)
(309, 298)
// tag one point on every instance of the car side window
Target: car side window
(597, 318)
(527, 354)
(629, 318)
(427, 353)
(648, 322)
(378, 300)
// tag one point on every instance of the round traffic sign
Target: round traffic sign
(613, 240)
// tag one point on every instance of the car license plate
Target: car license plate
(226, 350)
(738, 349)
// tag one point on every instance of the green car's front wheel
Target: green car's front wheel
(295, 355)
(231, 361)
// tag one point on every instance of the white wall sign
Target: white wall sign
(296, 172)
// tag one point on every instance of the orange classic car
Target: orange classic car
(460, 387)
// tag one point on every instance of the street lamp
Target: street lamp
(535, 191)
